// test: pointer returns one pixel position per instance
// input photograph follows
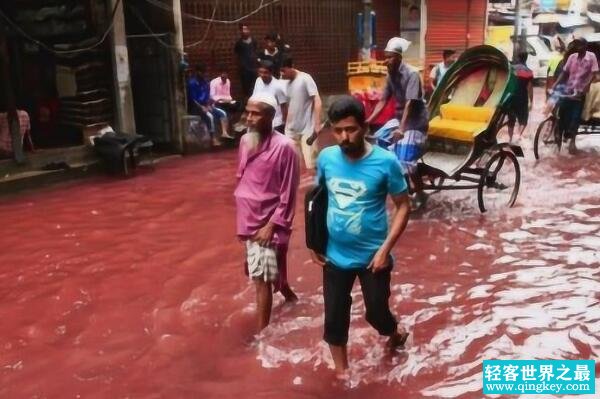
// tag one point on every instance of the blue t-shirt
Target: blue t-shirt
(356, 214)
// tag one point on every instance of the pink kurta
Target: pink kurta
(267, 186)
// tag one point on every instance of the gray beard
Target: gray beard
(253, 139)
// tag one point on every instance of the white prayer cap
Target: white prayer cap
(264, 98)
(397, 45)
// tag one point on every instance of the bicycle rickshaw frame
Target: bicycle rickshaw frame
(486, 156)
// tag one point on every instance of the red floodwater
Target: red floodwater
(134, 289)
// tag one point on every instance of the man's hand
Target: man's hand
(380, 261)
(398, 135)
(264, 236)
(312, 137)
(317, 258)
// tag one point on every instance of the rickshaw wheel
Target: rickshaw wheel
(547, 138)
(499, 183)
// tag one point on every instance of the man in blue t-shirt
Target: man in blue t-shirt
(359, 177)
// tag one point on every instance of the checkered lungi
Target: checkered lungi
(261, 262)
(408, 150)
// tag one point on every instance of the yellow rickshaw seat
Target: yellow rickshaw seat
(460, 122)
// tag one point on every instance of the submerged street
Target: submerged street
(135, 288)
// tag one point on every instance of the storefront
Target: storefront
(61, 90)
(322, 35)
(432, 26)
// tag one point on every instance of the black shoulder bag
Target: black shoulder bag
(315, 218)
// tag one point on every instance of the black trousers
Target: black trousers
(337, 287)
(248, 79)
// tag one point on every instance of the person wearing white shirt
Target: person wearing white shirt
(439, 70)
(303, 122)
(267, 83)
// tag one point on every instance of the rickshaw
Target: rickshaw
(466, 111)
(549, 136)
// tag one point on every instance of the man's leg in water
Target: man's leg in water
(576, 109)
(376, 293)
(511, 126)
(283, 286)
(339, 354)
(523, 119)
(264, 302)
(337, 286)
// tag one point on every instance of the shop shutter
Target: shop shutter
(456, 25)
(388, 21)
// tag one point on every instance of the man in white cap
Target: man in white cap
(405, 135)
(268, 177)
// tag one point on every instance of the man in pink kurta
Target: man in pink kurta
(268, 177)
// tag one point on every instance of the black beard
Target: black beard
(351, 150)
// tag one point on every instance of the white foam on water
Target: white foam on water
(579, 228)
(538, 223)
(530, 262)
(576, 213)
(499, 276)
(446, 298)
(510, 249)
(517, 235)
(481, 247)
(481, 233)
(516, 295)
(480, 291)
(574, 256)
(505, 259)
(585, 207)
(536, 275)
(552, 240)
(591, 242)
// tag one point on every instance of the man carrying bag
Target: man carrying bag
(355, 180)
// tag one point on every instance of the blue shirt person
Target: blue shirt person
(357, 218)
(359, 177)
(198, 92)
(200, 103)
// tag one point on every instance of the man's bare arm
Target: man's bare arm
(397, 227)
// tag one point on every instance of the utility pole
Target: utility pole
(517, 30)
(122, 80)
